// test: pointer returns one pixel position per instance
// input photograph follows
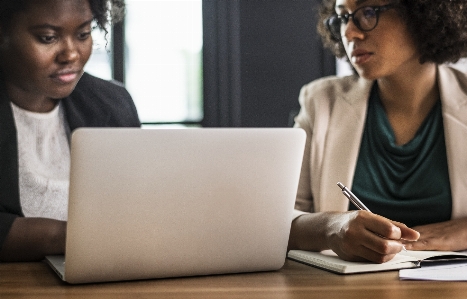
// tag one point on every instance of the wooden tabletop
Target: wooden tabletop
(294, 280)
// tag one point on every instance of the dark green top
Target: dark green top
(407, 183)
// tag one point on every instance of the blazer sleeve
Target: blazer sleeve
(317, 101)
(9, 190)
(304, 120)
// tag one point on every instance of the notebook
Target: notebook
(162, 203)
(328, 260)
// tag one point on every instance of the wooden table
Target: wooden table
(294, 280)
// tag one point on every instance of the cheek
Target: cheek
(26, 58)
(401, 52)
(86, 51)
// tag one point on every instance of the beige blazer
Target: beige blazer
(333, 113)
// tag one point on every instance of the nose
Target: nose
(352, 32)
(69, 51)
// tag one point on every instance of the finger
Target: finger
(381, 245)
(386, 228)
(374, 256)
(431, 243)
(406, 232)
(362, 254)
(418, 245)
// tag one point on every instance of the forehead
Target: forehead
(352, 4)
(57, 10)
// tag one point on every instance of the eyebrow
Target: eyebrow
(358, 2)
(56, 28)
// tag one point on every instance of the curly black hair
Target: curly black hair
(105, 12)
(438, 27)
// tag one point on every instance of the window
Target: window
(162, 59)
(99, 63)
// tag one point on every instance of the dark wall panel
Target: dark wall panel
(276, 50)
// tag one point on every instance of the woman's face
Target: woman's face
(44, 50)
(386, 50)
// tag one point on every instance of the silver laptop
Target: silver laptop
(178, 202)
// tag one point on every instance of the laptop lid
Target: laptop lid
(179, 202)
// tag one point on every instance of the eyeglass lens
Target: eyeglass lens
(365, 18)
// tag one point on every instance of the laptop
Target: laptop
(159, 203)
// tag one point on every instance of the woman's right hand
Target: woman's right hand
(353, 236)
(361, 235)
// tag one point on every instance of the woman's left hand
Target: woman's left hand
(444, 236)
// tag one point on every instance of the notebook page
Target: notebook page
(444, 271)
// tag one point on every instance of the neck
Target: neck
(415, 92)
(408, 99)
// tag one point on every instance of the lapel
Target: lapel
(82, 107)
(346, 124)
(453, 89)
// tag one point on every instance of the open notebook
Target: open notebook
(328, 260)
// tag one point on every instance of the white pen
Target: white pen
(354, 199)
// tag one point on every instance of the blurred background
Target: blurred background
(216, 63)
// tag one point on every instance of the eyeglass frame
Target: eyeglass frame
(345, 18)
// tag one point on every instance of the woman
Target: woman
(394, 133)
(45, 95)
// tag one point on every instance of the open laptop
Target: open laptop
(156, 203)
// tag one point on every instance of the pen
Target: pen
(354, 199)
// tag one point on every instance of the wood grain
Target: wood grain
(294, 280)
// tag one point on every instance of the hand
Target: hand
(361, 235)
(445, 236)
(30, 239)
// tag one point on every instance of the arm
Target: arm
(30, 239)
(354, 236)
(446, 236)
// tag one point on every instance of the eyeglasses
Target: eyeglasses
(365, 19)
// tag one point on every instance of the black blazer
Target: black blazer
(93, 103)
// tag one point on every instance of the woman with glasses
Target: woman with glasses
(395, 132)
(44, 96)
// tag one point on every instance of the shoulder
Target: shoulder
(93, 85)
(450, 75)
(330, 89)
(330, 86)
(98, 102)
(91, 90)
(453, 86)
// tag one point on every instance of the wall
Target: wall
(257, 56)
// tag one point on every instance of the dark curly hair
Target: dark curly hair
(438, 27)
(105, 12)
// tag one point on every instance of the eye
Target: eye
(47, 39)
(369, 12)
(84, 35)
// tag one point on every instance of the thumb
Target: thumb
(406, 232)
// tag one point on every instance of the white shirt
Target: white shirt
(44, 162)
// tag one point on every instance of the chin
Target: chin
(366, 74)
(62, 92)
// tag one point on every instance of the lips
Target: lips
(65, 76)
(360, 56)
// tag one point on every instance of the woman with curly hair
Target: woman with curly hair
(45, 95)
(394, 132)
